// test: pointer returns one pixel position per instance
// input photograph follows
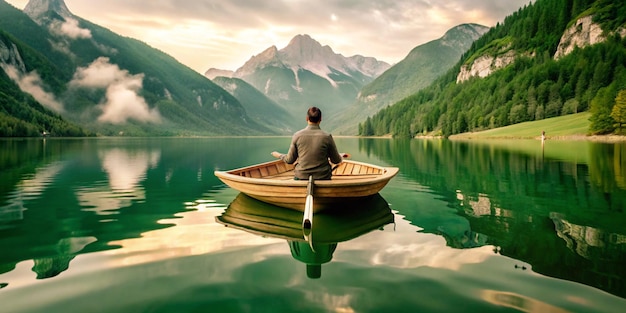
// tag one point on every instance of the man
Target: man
(312, 148)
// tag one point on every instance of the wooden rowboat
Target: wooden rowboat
(273, 182)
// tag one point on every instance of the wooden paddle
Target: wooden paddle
(307, 219)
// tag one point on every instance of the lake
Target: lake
(143, 225)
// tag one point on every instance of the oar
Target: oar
(307, 219)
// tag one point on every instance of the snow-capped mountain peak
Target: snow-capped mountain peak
(306, 73)
(304, 52)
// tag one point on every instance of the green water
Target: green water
(141, 225)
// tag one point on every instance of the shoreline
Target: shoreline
(594, 138)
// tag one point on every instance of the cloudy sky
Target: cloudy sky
(224, 34)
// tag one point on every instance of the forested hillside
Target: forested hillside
(259, 107)
(51, 80)
(536, 85)
(20, 114)
(424, 64)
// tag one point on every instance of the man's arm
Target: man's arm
(291, 156)
(333, 154)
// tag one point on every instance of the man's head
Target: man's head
(314, 115)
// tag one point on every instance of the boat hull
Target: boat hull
(274, 183)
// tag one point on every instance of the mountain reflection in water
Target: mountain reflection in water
(133, 224)
(557, 206)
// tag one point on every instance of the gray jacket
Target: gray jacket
(312, 147)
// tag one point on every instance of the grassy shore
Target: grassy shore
(568, 127)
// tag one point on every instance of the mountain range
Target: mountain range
(417, 70)
(80, 78)
(347, 89)
(259, 107)
(549, 58)
(94, 79)
(305, 73)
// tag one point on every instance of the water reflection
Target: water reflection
(519, 302)
(558, 207)
(29, 188)
(129, 225)
(125, 170)
(72, 189)
(336, 224)
(67, 249)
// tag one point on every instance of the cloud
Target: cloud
(31, 83)
(123, 101)
(224, 34)
(70, 29)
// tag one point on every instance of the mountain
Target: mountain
(550, 58)
(45, 10)
(111, 84)
(21, 115)
(214, 72)
(260, 108)
(417, 70)
(305, 74)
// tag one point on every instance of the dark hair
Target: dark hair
(314, 114)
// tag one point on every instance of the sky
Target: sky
(224, 34)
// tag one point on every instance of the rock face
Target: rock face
(484, 65)
(39, 9)
(583, 33)
(9, 55)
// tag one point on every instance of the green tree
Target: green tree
(366, 128)
(544, 86)
(619, 109)
(601, 120)
(517, 114)
(570, 106)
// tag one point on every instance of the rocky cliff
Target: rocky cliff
(9, 55)
(582, 34)
(485, 65)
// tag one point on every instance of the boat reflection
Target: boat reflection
(316, 246)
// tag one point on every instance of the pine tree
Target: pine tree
(601, 121)
(619, 109)
(367, 129)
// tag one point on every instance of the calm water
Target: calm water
(143, 225)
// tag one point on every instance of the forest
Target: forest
(534, 87)
(189, 103)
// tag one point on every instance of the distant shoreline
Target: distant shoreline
(595, 138)
(472, 136)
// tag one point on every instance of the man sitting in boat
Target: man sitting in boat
(312, 148)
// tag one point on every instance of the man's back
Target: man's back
(312, 149)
